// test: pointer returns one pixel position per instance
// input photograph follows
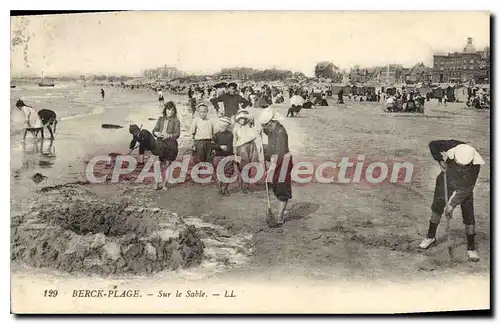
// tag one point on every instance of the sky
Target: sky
(126, 43)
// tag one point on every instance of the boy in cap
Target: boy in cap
(203, 131)
(278, 146)
(461, 162)
(223, 147)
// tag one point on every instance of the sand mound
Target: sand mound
(73, 229)
(102, 238)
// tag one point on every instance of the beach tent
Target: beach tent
(423, 89)
(461, 94)
(390, 91)
(444, 89)
(336, 87)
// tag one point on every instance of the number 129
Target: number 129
(50, 293)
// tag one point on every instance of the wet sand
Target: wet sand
(350, 235)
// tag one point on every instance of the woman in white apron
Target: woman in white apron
(32, 121)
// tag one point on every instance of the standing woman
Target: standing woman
(167, 131)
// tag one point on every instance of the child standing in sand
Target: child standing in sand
(223, 147)
(245, 135)
(202, 130)
(167, 131)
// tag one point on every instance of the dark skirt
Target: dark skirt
(283, 189)
(160, 98)
(167, 150)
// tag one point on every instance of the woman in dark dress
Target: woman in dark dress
(167, 131)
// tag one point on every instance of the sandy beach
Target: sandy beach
(348, 236)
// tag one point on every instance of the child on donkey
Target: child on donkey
(461, 162)
(223, 147)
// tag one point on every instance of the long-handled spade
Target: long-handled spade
(271, 222)
(448, 219)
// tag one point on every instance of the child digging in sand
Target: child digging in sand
(223, 147)
(244, 143)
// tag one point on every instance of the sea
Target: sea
(81, 111)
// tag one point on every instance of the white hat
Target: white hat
(267, 115)
(243, 114)
(464, 154)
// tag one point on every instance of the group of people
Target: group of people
(238, 135)
(234, 133)
(405, 102)
(479, 101)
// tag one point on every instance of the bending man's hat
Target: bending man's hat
(267, 115)
(464, 154)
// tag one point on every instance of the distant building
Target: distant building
(358, 75)
(389, 74)
(418, 73)
(164, 72)
(235, 73)
(468, 65)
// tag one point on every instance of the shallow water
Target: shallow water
(79, 136)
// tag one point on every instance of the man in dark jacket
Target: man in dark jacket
(461, 162)
(231, 100)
